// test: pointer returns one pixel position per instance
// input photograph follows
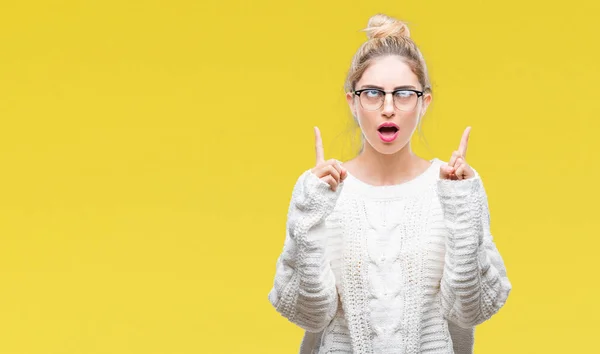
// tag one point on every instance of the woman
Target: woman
(389, 252)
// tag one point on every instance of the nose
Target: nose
(388, 105)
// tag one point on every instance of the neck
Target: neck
(389, 169)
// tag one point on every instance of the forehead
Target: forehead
(388, 72)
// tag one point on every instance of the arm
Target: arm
(474, 284)
(304, 288)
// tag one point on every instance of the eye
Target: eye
(404, 94)
(372, 93)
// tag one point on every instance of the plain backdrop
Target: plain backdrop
(148, 151)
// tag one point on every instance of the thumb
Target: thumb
(445, 171)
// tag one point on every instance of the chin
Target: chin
(387, 148)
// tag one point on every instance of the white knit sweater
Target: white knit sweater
(408, 268)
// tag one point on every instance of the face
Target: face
(388, 73)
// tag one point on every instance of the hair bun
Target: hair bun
(381, 26)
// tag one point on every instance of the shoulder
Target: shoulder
(438, 162)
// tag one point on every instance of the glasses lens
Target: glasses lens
(371, 99)
(405, 100)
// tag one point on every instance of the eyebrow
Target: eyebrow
(405, 87)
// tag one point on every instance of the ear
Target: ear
(350, 99)
(426, 101)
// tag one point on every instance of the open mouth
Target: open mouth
(388, 130)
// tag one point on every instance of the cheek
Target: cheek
(409, 120)
(367, 120)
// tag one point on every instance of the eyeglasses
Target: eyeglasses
(372, 99)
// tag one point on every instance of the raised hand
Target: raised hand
(329, 171)
(457, 168)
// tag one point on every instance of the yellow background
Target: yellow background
(148, 150)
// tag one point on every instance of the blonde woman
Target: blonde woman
(389, 252)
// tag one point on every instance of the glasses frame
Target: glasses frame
(385, 93)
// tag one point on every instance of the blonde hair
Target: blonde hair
(387, 36)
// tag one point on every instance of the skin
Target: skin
(381, 163)
(458, 168)
(330, 171)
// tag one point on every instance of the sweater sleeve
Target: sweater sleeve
(474, 284)
(304, 289)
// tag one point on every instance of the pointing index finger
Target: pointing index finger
(319, 146)
(462, 149)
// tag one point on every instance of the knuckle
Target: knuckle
(332, 183)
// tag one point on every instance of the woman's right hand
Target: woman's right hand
(330, 171)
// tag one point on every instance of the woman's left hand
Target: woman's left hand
(457, 168)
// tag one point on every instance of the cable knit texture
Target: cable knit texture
(408, 268)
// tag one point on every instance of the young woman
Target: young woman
(389, 252)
